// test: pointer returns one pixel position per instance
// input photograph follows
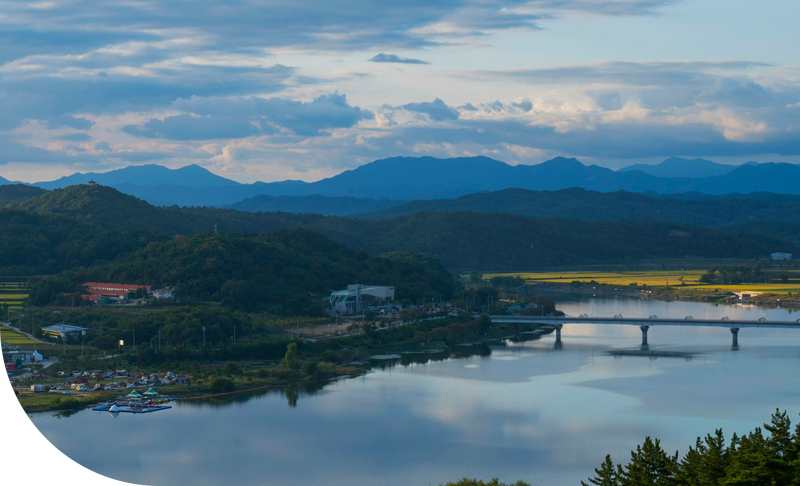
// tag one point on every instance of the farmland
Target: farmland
(9, 336)
(683, 281)
(13, 295)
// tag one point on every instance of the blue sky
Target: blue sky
(304, 89)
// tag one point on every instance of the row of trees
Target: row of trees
(754, 459)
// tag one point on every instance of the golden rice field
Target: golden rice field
(11, 337)
(13, 295)
(651, 278)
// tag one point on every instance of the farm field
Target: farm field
(12, 294)
(651, 278)
(12, 337)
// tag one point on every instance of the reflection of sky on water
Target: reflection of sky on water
(525, 412)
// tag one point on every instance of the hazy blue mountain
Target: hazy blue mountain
(328, 206)
(408, 178)
(192, 176)
(5, 181)
(678, 167)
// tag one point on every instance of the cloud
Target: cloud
(436, 110)
(212, 118)
(69, 121)
(188, 127)
(395, 58)
(75, 137)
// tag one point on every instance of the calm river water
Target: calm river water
(528, 411)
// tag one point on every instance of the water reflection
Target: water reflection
(522, 410)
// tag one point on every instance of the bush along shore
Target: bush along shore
(280, 361)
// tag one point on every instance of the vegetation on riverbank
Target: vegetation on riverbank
(754, 459)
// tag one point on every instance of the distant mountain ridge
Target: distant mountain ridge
(410, 178)
(678, 167)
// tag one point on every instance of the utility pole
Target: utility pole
(159, 338)
(234, 334)
(134, 339)
(204, 337)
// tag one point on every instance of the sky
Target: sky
(302, 89)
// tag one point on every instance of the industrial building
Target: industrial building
(64, 332)
(105, 293)
(781, 256)
(359, 297)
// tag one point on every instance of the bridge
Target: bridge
(645, 323)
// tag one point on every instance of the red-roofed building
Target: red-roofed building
(101, 292)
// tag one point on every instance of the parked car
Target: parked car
(66, 392)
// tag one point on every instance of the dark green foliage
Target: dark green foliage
(286, 272)
(16, 193)
(108, 209)
(477, 482)
(505, 242)
(614, 206)
(508, 282)
(291, 361)
(309, 368)
(753, 460)
(39, 244)
(220, 384)
(460, 239)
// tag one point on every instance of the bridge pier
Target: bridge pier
(644, 334)
(558, 332)
(735, 336)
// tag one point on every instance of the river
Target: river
(533, 410)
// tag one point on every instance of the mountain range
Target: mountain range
(425, 178)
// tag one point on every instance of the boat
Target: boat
(135, 402)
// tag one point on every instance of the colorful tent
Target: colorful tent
(151, 392)
(134, 393)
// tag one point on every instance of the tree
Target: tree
(220, 384)
(475, 277)
(310, 368)
(291, 361)
(606, 474)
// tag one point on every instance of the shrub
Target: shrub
(221, 384)
(310, 368)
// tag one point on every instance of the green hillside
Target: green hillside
(15, 193)
(109, 209)
(461, 239)
(696, 209)
(289, 272)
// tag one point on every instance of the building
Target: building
(165, 293)
(358, 297)
(781, 256)
(91, 183)
(104, 293)
(64, 332)
(21, 356)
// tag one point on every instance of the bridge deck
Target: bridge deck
(648, 321)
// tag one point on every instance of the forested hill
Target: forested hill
(468, 240)
(612, 206)
(462, 240)
(15, 193)
(109, 209)
(285, 272)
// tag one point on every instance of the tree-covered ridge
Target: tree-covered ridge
(464, 239)
(16, 193)
(461, 239)
(754, 459)
(109, 209)
(696, 209)
(33, 243)
(291, 271)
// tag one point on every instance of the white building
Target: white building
(781, 256)
(165, 293)
(358, 297)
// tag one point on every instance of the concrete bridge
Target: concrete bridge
(644, 323)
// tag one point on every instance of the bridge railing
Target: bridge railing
(687, 319)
